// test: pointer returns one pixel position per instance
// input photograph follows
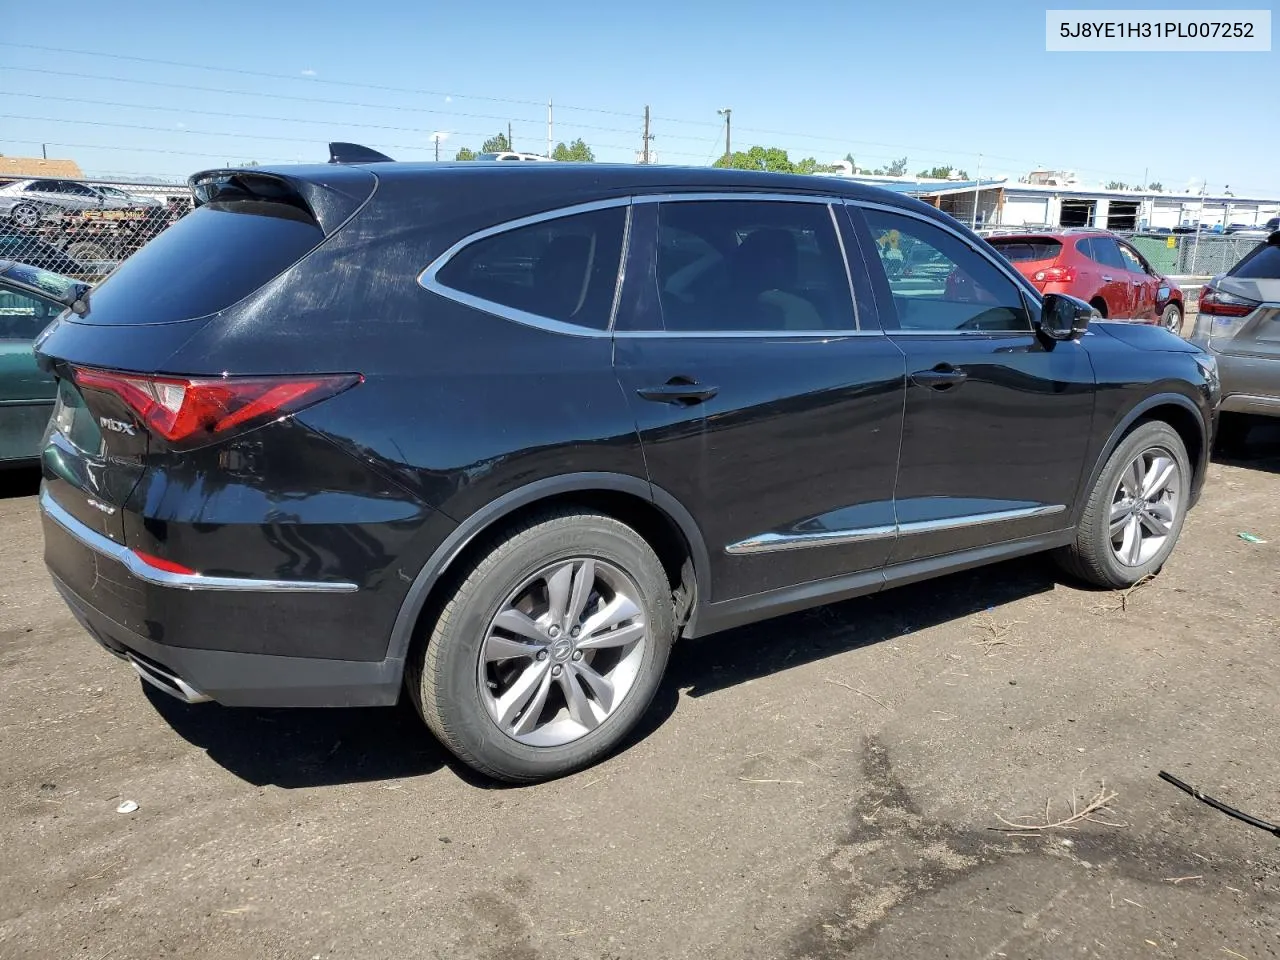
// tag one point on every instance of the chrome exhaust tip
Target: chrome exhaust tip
(166, 680)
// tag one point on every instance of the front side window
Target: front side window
(1105, 251)
(751, 266)
(563, 269)
(1132, 262)
(938, 282)
(23, 316)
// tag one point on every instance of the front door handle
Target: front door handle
(942, 377)
(1106, 278)
(679, 390)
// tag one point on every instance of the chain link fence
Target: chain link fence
(84, 228)
(1186, 254)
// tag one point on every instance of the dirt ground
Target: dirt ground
(825, 785)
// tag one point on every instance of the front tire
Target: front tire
(1172, 319)
(25, 215)
(1135, 511)
(549, 651)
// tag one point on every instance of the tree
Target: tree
(1117, 185)
(937, 173)
(465, 153)
(770, 159)
(1156, 185)
(578, 150)
(496, 144)
(897, 168)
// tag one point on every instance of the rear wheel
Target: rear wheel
(1232, 437)
(1135, 512)
(1172, 319)
(1100, 305)
(549, 651)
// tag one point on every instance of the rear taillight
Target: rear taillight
(160, 563)
(191, 411)
(1055, 275)
(1216, 303)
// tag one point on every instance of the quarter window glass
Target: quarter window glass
(939, 282)
(22, 317)
(751, 265)
(44, 186)
(564, 269)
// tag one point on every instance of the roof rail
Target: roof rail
(355, 153)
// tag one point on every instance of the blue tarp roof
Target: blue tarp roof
(927, 188)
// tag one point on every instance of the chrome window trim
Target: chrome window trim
(747, 194)
(101, 544)
(429, 279)
(1020, 282)
(773, 542)
(848, 267)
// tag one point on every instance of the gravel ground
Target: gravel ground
(824, 785)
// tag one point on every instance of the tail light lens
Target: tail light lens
(1055, 275)
(190, 412)
(1216, 303)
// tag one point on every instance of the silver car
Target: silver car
(25, 203)
(1239, 323)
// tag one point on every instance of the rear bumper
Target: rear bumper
(175, 629)
(1249, 384)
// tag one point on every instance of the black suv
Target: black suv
(500, 433)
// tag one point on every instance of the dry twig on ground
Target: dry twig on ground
(996, 633)
(1088, 813)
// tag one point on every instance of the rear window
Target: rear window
(1019, 250)
(207, 261)
(1262, 263)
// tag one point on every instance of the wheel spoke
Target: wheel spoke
(558, 585)
(584, 579)
(1132, 546)
(1155, 525)
(1119, 516)
(618, 610)
(513, 621)
(600, 687)
(498, 647)
(1157, 477)
(529, 719)
(1133, 479)
(579, 705)
(519, 693)
(613, 638)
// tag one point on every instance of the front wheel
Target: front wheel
(1172, 319)
(549, 651)
(1135, 512)
(25, 215)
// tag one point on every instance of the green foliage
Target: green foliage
(1117, 185)
(772, 160)
(1156, 185)
(465, 153)
(496, 144)
(578, 150)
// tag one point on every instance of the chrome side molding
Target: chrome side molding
(772, 542)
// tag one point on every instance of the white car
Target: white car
(26, 202)
(512, 155)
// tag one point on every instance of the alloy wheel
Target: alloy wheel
(1172, 319)
(563, 652)
(1144, 506)
(25, 215)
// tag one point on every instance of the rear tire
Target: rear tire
(549, 651)
(1100, 305)
(1135, 511)
(1232, 437)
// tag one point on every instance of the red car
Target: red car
(1098, 267)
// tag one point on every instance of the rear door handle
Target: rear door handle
(679, 390)
(942, 377)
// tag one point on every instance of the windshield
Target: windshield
(55, 285)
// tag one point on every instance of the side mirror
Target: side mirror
(1063, 317)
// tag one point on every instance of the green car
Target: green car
(30, 298)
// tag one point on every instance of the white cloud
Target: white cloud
(448, 99)
(181, 125)
(308, 73)
(441, 135)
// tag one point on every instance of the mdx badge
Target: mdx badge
(117, 426)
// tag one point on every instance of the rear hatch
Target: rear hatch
(245, 230)
(1240, 311)
(1033, 257)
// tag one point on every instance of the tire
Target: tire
(468, 670)
(25, 215)
(1232, 437)
(1172, 319)
(1093, 557)
(1100, 305)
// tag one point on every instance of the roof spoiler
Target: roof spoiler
(355, 153)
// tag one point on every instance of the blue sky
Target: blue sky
(937, 82)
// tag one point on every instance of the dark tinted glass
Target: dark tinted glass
(1027, 250)
(211, 258)
(939, 282)
(754, 265)
(1263, 263)
(1131, 261)
(1105, 251)
(22, 316)
(564, 269)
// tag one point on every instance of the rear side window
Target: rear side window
(563, 269)
(215, 256)
(1103, 250)
(751, 265)
(1019, 251)
(938, 282)
(22, 316)
(1262, 263)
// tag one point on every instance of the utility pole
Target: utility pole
(645, 151)
(436, 138)
(510, 145)
(550, 127)
(728, 143)
(44, 150)
(1195, 246)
